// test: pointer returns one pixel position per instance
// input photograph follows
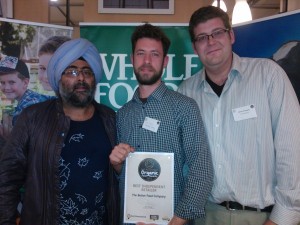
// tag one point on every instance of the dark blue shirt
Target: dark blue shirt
(84, 173)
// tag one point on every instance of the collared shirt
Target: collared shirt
(181, 132)
(256, 160)
(29, 98)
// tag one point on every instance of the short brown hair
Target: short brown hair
(149, 31)
(203, 14)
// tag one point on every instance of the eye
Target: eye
(155, 54)
(218, 33)
(87, 72)
(201, 38)
(72, 72)
(139, 53)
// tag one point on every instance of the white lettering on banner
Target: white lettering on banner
(121, 60)
(104, 89)
(99, 91)
(115, 94)
(122, 66)
(108, 73)
(113, 91)
(169, 75)
(189, 65)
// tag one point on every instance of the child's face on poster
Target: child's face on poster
(12, 86)
(43, 64)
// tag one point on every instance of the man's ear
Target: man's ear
(232, 36)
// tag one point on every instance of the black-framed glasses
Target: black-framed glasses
(217, 34)
(74, 72)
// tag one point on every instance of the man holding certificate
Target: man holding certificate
(162, 149)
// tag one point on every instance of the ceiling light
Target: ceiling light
(222, 5)
(241, 12)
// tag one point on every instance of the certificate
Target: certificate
(149, 184)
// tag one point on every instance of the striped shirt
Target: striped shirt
(181, 132)
(256, 159)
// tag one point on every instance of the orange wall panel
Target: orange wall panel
(31, 10)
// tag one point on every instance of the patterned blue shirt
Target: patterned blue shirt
(181, 132)
(29, 98)
(83, 174)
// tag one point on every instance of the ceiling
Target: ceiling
(61, 14)
(58, 13)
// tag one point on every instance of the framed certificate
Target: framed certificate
(149, 188)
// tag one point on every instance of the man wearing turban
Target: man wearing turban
(59, 149)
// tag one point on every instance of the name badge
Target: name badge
(244, 113)
(151, 124)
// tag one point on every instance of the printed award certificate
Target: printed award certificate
(149, 184)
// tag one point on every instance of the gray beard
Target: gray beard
(77, 99)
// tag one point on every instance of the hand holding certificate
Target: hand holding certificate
(149, 188)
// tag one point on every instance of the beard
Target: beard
(147, 79)
(81, 99)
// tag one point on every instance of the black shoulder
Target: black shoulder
(104, 110)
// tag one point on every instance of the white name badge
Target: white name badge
(244, 113)
(151, 124)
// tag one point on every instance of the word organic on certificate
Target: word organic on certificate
(149, 184)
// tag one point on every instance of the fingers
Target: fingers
(119, 154)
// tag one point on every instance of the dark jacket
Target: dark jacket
(31, 158)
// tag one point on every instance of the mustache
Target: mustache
(146, 66)
(81, 85)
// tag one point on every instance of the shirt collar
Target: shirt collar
(157, 94)
(27, 93)
(236, 69)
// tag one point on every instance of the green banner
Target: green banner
(113, 42)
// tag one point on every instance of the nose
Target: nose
(210, 39)
(147, 58)
(80, 75)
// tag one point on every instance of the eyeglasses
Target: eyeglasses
(217, 34)
(73, 72)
